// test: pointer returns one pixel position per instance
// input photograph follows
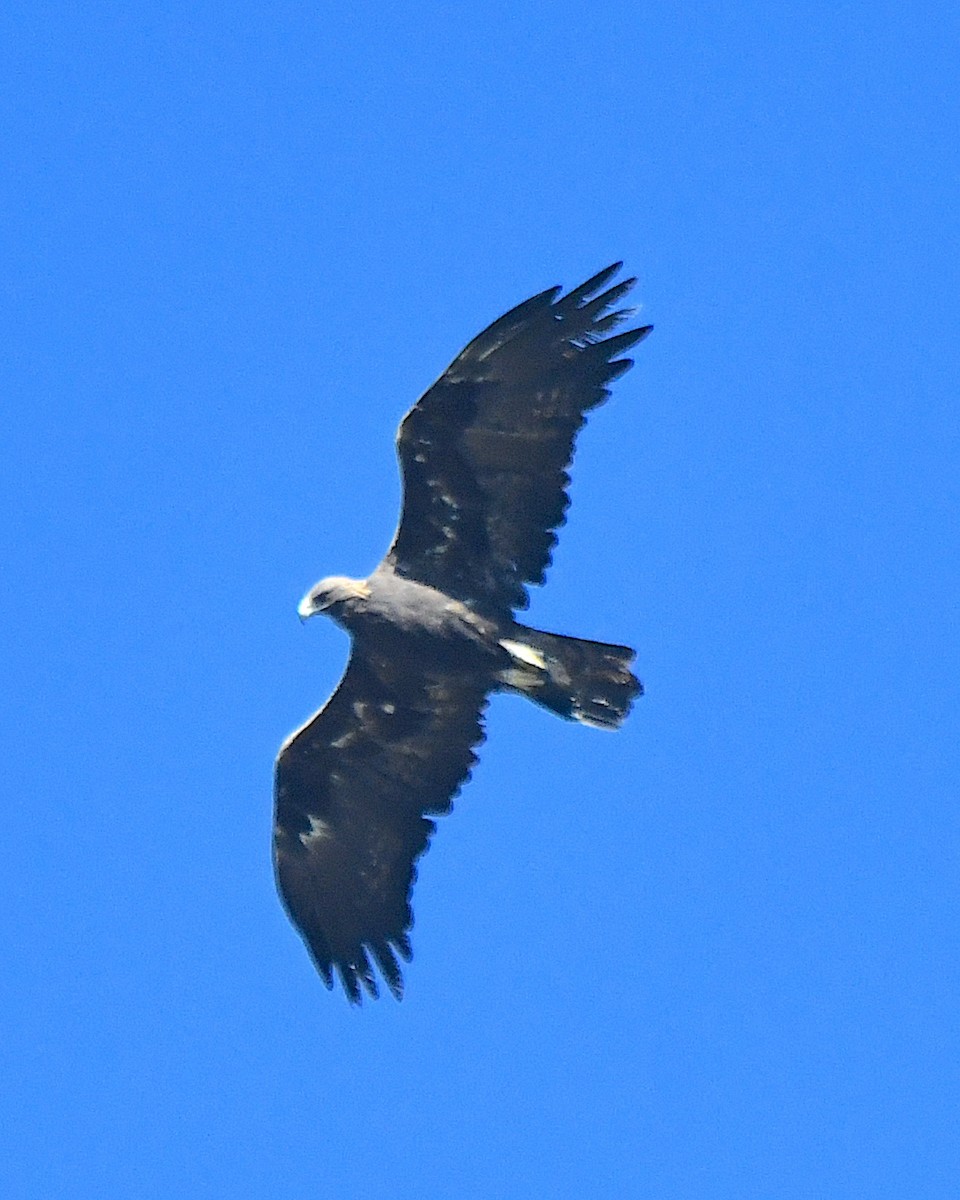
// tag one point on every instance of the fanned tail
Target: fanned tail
(578, 679)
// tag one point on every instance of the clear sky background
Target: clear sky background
(713, 957)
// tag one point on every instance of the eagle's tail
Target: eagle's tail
(575, 678)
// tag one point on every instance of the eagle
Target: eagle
(484, 456)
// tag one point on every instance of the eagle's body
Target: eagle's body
(387, 603)
(484, 455)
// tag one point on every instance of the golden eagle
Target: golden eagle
(484, 455)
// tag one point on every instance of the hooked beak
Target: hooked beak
(306, 608)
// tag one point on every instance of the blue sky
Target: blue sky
(714, 956)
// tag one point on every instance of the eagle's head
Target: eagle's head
(330, 595)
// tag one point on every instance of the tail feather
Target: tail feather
(578, 679)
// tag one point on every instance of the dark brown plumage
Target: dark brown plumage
(484, 455)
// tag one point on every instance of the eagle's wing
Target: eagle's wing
(484, 452)
(353, 790)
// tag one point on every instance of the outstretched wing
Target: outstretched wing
(484, 452)
(354, 788)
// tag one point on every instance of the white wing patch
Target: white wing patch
(524, 654)
(317, 832)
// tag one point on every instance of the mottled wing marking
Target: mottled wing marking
(485, 451)
(355, 788)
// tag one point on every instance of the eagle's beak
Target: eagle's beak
(305, 609)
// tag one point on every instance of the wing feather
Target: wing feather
(485, 451)
(355, 788)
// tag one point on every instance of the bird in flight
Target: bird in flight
(484, 455)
